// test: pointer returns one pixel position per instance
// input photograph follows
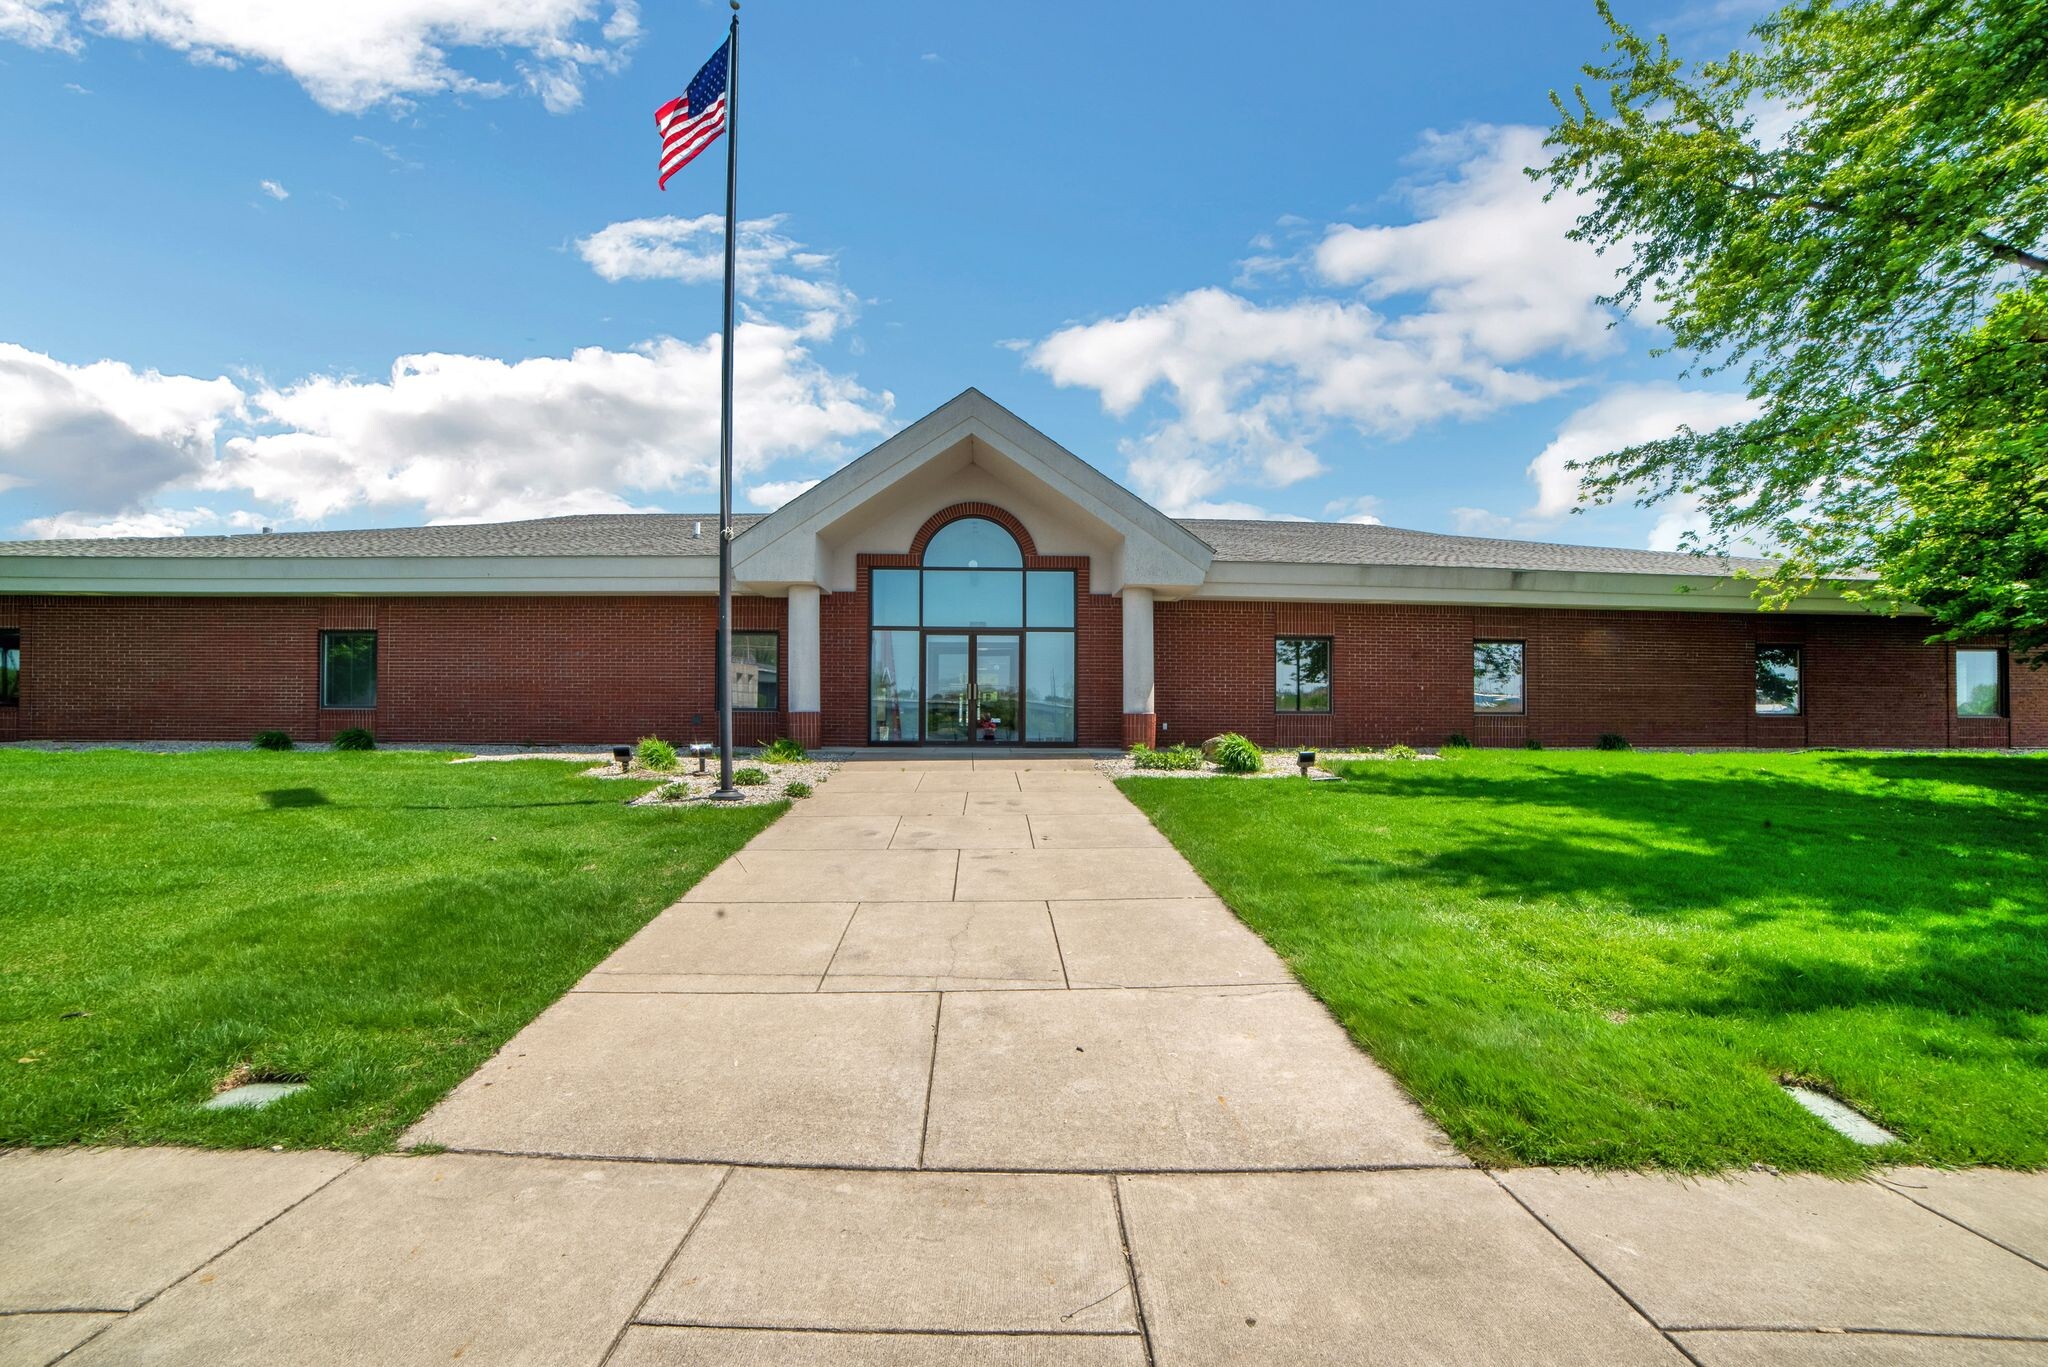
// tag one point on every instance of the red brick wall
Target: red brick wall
(597, 670)
(1404, 674)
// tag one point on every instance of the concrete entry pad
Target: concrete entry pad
(961, 779)
(830, 876)
(832, 801)
(35, 1340)
(664, 1347)
(996, 831)
(946, 946)
(1786, 1252)
(2010, 1208)
(1161, 942)
(727, 947)
(1076, 802)
(792, 1078)
(828, 833)
(888, 1250)
(1349, 1268)
(1804, 1349)
(1094, 831)
(1176, 1079)
(857, 778)
(1057, 874)
(497, 1260)
(106, 1229)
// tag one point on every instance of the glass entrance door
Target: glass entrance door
(998, 662)
(948, 698)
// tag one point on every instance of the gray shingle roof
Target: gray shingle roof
(1346, 543)
(687, 534)
(587, 534)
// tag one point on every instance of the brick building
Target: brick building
(968, 581)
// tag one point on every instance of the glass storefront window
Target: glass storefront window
(1049, 598)
(895, 597)
(893, 686)
(1049, 686)
(974, 598)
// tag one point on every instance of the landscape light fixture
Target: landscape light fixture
(1307, 760)
(622, 755)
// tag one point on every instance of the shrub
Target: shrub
(797, 789)
(747, 776)
(1456, 741)
(355, 738)
(1236, 755)
(1610, 740)
(1173, 757)
(656, 753)
(783, 750)
(673, 792)
(1400, 752)
(272, 740)
(1532, 744)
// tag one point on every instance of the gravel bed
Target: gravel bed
(684, 786)
(1278, 765)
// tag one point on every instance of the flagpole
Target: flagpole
(726, 791)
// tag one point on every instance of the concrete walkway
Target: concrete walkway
(960, 1063)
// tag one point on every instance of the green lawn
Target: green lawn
(375, 923)
(1612, 959)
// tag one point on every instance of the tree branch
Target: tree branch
(2011, 255)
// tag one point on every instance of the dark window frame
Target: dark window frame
(10, 639)
(1521, 645)
(2003, 708)
(1329, 683)
(375, 657)
(1798, 649)
(780, 697)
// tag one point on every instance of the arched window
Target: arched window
(973, 543)
(971, 646)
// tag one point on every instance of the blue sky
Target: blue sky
(351, 264)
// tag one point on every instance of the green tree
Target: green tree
(1877, 273)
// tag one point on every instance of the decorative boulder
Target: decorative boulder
(1209, 747)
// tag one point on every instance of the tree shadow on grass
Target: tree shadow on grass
(283, 799)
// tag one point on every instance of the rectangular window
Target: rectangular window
(1980, 683)
(894, 595)
(10, 668)
(1049, 598)
(348, 669)
(756, 672)
(1777, 681)
(893, 686)
(1301, 674)
(1497, 676)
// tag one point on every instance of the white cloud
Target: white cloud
(771, 267)
(87, 438)
(772, 494)
(1626, 415)
(1391, 328)
(352, 55)
(114, 451)
(1489, 257)
(274, 190)
(38, 23)
(1362, 509)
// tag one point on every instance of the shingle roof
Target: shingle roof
(1347, 543)
(689, 534)
(586, 534)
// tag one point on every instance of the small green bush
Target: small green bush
(747, 776)
(1532, 744)
(673, 792)
(1400, 752)
(355, 738)
(272, 740)
(797, 789)
(1610, 740)
(655, 753)
(1236, 755)
(783, 750)
(1173, 757)
(1457, 741)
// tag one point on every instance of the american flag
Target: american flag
(692, 122)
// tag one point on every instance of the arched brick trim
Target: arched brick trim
(1002, 517)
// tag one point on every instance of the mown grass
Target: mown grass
(1613, 959)
(375, 923)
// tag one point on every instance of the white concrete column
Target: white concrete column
(802, 671)
(1138, 688)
